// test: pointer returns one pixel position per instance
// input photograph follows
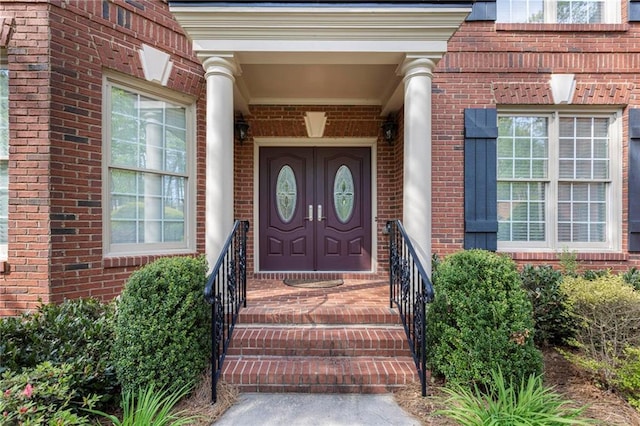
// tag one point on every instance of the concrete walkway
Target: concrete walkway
(293, 409)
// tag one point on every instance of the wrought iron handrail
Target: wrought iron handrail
(410, 291)
(226, 292)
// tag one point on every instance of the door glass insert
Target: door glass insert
(286, 193)
(343, 193)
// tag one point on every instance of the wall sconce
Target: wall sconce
(390, 129)
(241, 128)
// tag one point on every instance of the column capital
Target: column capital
(414, 65)
(216, 63)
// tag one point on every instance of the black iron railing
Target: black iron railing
(410, 291)
(226, 292)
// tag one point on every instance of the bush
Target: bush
(42, 395)
(553, 322)
(632, 277)
(481, 320)
(162, 326)
(78, 333)
(627, 380)
(529, 403)
(608, 314)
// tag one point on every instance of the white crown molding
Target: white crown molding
(316, 24)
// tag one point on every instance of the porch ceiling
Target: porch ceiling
(327, 55)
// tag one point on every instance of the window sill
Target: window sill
(134, 261)
(563, 27)
(553, 256)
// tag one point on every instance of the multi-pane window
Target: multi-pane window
(559, 11)
(556, 180)
(4, 154)
(149, 172)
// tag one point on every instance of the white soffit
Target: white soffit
(320, 55)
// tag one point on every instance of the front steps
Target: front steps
(345, 349)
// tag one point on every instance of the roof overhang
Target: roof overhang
(327, 53)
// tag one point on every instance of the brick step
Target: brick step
(313, 314)
(313, 340)
(318, 374)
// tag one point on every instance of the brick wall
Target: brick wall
(492, 65)
(29, 199)
(58, 54)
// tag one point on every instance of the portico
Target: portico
(345, 54)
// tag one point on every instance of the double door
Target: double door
(315, 209)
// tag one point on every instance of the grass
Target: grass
(526, 403)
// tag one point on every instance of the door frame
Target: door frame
(260, 142)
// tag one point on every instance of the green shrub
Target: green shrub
(590, 274)
(480, 320)
(632, 277)
(78, 332)
(42, 395)
(627, 380)
(150, 407)
(608, 314)
(553, 322)
(162, 327)
(568, 262)
(530, 403)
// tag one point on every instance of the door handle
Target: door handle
(320, 218)
(310, 216)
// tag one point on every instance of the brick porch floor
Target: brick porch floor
(341, 339)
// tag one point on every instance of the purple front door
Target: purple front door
(315, 209)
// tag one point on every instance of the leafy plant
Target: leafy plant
(162, 327)
(590, 274)
(608, 314)
(553, 322)
(43, 395)
(481, 320)
(627, 380)
(150, 407)
(568, 262)
(632, 277)
(529, 403)
(78, 333)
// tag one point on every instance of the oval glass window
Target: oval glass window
(286, 193)
(343, 194)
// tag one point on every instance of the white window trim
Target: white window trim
(614, 189)
(151, 90)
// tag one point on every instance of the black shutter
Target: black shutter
(480, 179)
(634, 179)
(483, 10)
(634, 10)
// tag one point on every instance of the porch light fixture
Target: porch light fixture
(390, 129)
(241, 128)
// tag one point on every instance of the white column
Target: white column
(416, 216)
(219, 72)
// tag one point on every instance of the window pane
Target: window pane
(580, 11)
(582, 140)
(581, 212)
(521, 211)
(505, 169)
(146, 207)
(519, 11)
(147, 133)
(522, 147)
